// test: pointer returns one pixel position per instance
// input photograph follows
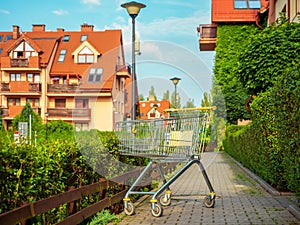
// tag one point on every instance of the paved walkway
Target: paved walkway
(240, 200)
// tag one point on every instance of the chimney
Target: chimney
(86, 27)
(38, 27)
(16, 32)
(60, 29)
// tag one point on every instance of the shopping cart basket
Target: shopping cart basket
(178, 137)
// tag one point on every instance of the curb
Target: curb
(292, 208)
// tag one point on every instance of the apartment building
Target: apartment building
(244, 11)
(74, 76)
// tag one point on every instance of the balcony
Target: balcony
(84, 113)
(208, 37)
(20, 86)
(123, 71)
(15, 110)
(19, 62)
(66, 88)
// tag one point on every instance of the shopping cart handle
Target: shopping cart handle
(191, 109)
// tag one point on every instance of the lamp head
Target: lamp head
(133, 8)
(175, 80)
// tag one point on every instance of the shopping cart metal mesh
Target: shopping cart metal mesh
(179, 136)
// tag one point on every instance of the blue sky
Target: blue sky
(166, 30)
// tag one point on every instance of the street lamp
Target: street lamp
(46, 116)
(133, 9)
(175, 81)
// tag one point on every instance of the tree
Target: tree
(190, 104)
(24, 116)
(141, 97)
(166, 95)
(206, 101)
(152, 93)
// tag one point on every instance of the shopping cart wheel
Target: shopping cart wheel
(157, 211)
(209, 202)
(129, 211)
(165, 200)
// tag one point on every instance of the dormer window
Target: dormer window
(66, 38)
(86, 53)
(24, 50)
(85, 56)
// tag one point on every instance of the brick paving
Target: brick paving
(240, 199)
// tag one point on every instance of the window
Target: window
(24, 50)
(33, 78)
(1, 37)
(62, 55)
(13, 102)
(36, 78)
(34, 102)
(95, 75)
(1, 50)
(66, 38)
(15, 77)
(60, 103)
(83, 37)
(86, 56)
(247, 4)
(30, 77)
(82, 103)
(7, 38)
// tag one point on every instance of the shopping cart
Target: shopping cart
(178, 137)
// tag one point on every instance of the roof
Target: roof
(106, 44)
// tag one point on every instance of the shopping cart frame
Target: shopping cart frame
(165, 200)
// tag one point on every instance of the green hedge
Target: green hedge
(269, 146)
(30, 173)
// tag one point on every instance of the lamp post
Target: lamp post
(133, 8)
(175, 81)
(46, 116)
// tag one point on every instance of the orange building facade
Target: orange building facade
(152, 109)
(77, 76)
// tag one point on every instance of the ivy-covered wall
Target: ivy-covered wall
(231, 41)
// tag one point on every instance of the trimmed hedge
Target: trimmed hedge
(269, 146)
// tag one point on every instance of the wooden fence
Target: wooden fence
(21, 214)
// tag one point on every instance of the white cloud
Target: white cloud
(91, 2)
(4, 11)
(60, 12)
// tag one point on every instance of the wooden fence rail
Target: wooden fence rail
(31, 210)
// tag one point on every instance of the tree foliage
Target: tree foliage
(24, 116)
(268, 54)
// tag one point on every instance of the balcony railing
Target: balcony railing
(69, 112)
(12, 111)
(208, 36)
(62, 87)
(4, 86)
(19, 62)
(20, 86)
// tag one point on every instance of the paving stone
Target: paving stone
(240, 200)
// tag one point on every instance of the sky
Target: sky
(166, 29)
